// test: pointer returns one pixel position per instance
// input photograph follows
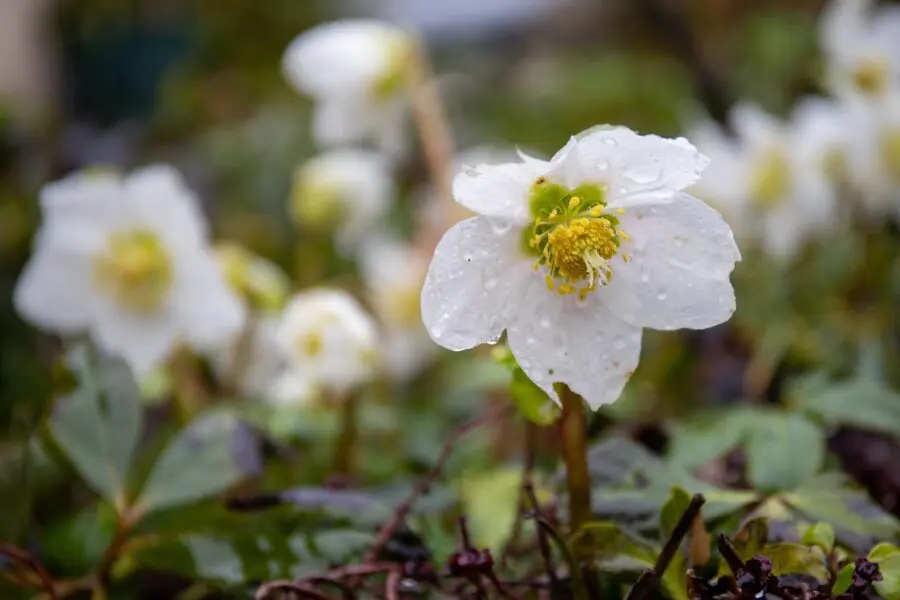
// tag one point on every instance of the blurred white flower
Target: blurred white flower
(327, 341)
(345, 190)
(393, 273)
(251, 358)
(356, 71)
(862, 47)
(260, 282)
(874, 155)
(127, 260)
(573, 257)
(768, 180)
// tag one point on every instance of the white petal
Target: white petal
(473, 284)
(93, 196)
(143, 341)
(344, 120)
(343, 57)
(638, 164)
(585, 346)
(498, 191)
(157, 197)
(678, 277)
(55, 291)
(754, 126)
(208, 308)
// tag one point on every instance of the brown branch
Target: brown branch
(401, 512)
(266, 590)
(25, 558)
(650, 579)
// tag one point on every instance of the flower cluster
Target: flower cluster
(781, 183)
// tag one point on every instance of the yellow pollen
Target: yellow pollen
(579, 251)
(871, 75)
(574, 201)
(134, 270)
(770, 180)
(310, 344)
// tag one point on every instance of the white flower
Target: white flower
(344, 190)
(768, 180)
(572, 257)
(862, 47)
(356, 71)
(874, 154)
(393, 273)
(327, 340)
(127, 260)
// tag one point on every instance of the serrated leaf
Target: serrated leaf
(821, 535)
(863, 403)
(99, 423)
(532, 401)
(197, 464)
(783, 451)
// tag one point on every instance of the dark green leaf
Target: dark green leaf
(609, 541)
(863, 403)
(783, 451)
(99, 423)
(844, 579)
(196, 464)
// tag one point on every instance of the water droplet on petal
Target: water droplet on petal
(645, 277)
(545, 323)
(662, 296)
(609, 141)
(642, 175)
(490, 283)
(602, 164)
(531, 340)
(500, 226)
(494, 339)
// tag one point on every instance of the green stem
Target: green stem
(573, 425)
(345, 462)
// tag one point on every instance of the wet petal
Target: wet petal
(681, 257)
(585, 346)
(638, 164)
(498, 191)
(473, 284)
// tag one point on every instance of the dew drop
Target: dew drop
(500, 226)
(642, 175)
(545, 323)
(603, 164)
(490, 283)
(662, 296)
(494, 339)
(531, 340)
(679, 242)
(619, 343)
(645, 277)
(609, 141)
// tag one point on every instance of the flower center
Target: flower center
(316, 204)
(394, 77)
(890, 153)
(770, 180)
(134, 270)
(310, 344)
(573, 236)
(871, 75)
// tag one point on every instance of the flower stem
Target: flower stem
(573, 429)
(345, 462)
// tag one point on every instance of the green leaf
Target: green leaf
(339, 546)
(828, 498)
(491, 502)
(889, 587)
(609, 541)
(214, 559)
(863, 403)
(532, 401)
(843, 580)
(674, 580)
(783, 451)
(99, 423)
(882, 551)
(821, 535)
(788, 557)
(198, 463)
(748, 543)
(672, 510)
(705, 437)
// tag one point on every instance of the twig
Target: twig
(267, 589)
(390, 586)
(543, 543)
(424, 484)
(437, 141)
(729, 554)
(650, 579)
(23, 557)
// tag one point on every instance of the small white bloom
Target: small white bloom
(343, 190)
(862, 47)
(127, 260)
(768, 181)
(874, 154)
(573, 257)
(356, 71)
(327, 340)
(393, 273)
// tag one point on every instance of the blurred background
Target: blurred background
(788, 412)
